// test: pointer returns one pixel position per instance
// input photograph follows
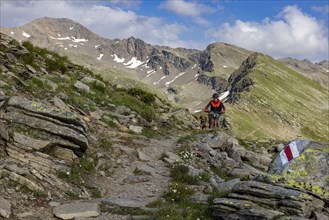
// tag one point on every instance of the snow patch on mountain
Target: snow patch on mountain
(100, 56)
(117, 59)
(73, 45)
(76, 40)
(26, 35)
(133, 63)
(145, 65)
(162, 78)
(150, 72)
(176, 77)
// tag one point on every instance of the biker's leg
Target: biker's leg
(210, 117)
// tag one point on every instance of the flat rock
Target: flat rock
(146, 169)
(136, 129)
(53, 128)
(19, 170)
(4, 131)
(5, 207)
(128, 202)
(97, 82)
(172, 158)
(49, 111)
(137, 179)
(81, 86)
(76, 210)
(30, 68)
(30, 142)
(143, 156)
(60, 104)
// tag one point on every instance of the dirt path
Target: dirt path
(138, 175)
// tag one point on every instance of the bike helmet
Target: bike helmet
(215, 95)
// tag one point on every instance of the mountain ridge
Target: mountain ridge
(189, 77)
(163, 68)
(277, 100)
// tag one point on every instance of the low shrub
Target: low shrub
(146, 111)
(144, 96)
(179, 173)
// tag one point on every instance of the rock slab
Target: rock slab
(76, 210)
(5, 207)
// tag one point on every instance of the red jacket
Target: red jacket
(215, 106)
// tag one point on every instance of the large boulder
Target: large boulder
(303, 164)
(256, 200)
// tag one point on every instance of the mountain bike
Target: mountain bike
(214, 119)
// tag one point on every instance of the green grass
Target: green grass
(222, 172)
(178, 205)
(146, 97)
(282, 104)
(135, 104)
(179, 174)
(54, 62)
(79, 172)
(192, 136)
(105, 143)
(188, 211)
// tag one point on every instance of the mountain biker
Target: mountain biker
(216, 109)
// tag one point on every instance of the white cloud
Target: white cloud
(323, 9)
(294, 34)
(188, 9)
(126, 3)
(184, 8)
(105, 21)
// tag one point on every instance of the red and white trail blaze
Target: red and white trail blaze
(289, 152)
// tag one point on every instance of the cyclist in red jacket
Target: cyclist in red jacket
(216, 109)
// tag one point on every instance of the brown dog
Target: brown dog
(203, 121)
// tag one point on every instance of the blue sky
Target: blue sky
(297, 29)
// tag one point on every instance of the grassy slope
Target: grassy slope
(226, 55)
(282, 105)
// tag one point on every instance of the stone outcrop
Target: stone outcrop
(40, 140)
(265, 201)
(168, 61)
(308, 170)
(217, 83)
(298, 190)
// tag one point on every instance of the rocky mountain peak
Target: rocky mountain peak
(138, 48)
(318, 72)
(239, 80)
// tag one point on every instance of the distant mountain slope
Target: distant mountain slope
(271, 100)
(318, 72)
(159, 66)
